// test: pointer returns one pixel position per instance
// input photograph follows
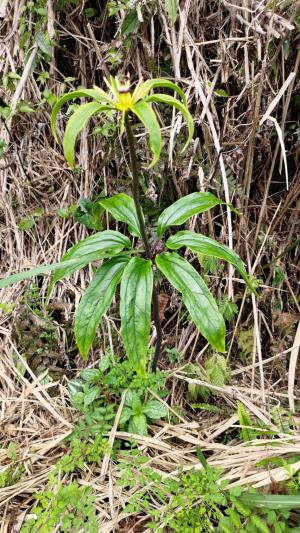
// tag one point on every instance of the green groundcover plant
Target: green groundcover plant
(123, 263)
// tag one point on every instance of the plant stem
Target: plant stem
(139, 212)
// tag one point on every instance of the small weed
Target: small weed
(82, 451)
(137, 413)
(215, 371)
(11, 475)
(98, 390)
(70, 507)
(197, 500)
(173, 355)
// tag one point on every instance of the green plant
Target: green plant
(136, 413)
(11, 475)
(82, 451)
(70, 507)
(215, 372)
(200, 501)
(227, 308)
(135, 274)
(97, 393)
(33, 29)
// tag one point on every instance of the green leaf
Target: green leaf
(196, 297)
(89, 214)
(155, 409)
(227, 308)
(96, 300)
(26, 223)
(90, 12)
(201, 244)
(130, 23)
(170, 100)
(96, 246)
(90, 374)
(125, 415)
(96, 93)
(76, 123)
(135, 311)
(122, 208)
(146, 115)
(216, 369)
(136, 405)
(15, 278)
(179, 212)
(172, 7)
(247, 432)
(143, 89)
(92, 394)
(272, 501)
(259, 524)
(44, 42)
(130, 395)
(138, 425)
(24, 107)
(225, 524)
(222, 93)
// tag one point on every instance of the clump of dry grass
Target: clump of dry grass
(238, 62)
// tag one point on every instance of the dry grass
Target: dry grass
(245, 150)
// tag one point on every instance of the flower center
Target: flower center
(124, 101)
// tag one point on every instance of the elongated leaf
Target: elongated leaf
(192, 204)
(205, 245)
(96, 246)
(130, 23)
(170, 100)
(143, 89)
(272, 501)
(96, 93)
(122, 208)
(146, 115)
(135, 311)
(196, 297)
(96, 300)
(26, 274)
(76, 123)
(172, 7)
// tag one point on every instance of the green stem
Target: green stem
(139, 212)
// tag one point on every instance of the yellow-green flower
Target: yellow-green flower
(121, 99)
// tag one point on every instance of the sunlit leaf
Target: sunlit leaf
(201, 244)
(96, 93)
(96, 300)
(146, 115)
(179, 212)
(144, 88)
(196, 297)
(272, 501)
(122, 208)
(76, 123)
(135, 311)
(170, 100)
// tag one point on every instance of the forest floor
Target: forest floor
(66, 463)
